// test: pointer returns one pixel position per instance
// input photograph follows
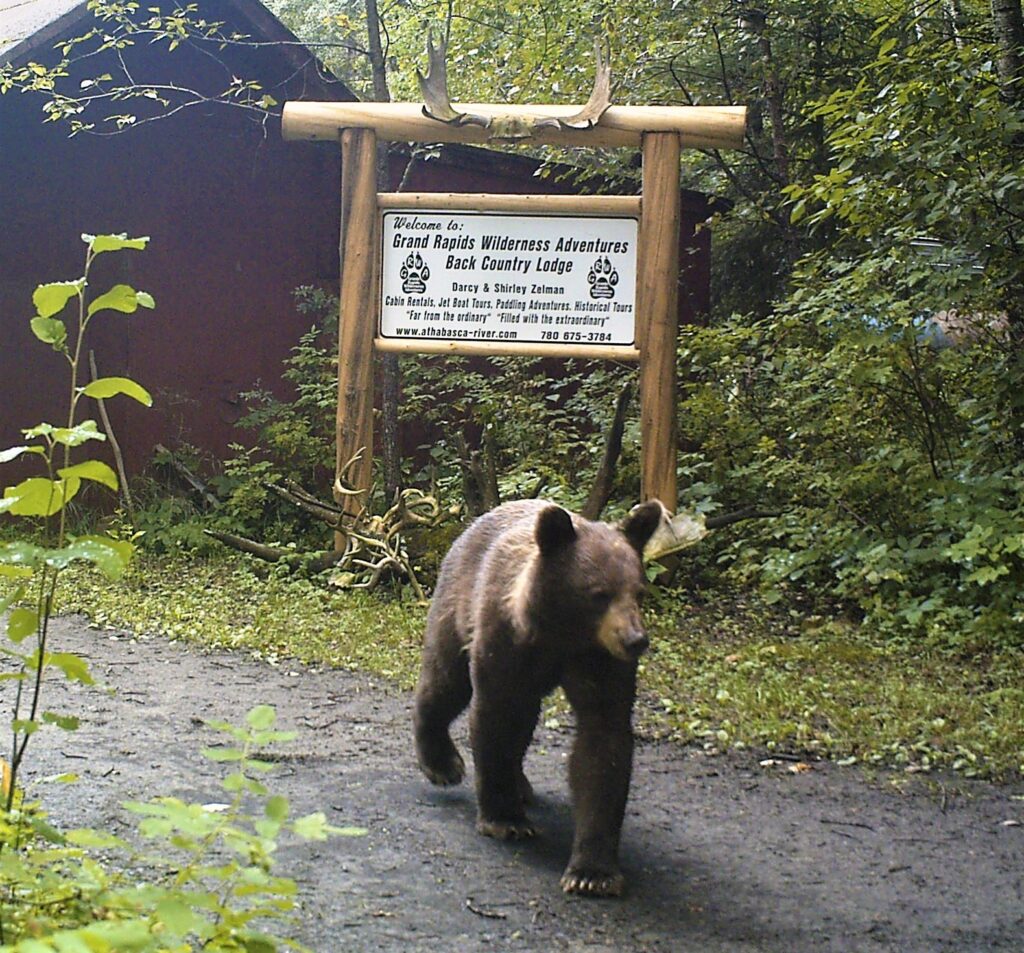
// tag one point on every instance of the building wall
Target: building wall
(237, 219)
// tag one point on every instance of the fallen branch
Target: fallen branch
(371, 547)
(292, 493)
(683, 530)
(274, 554)
(208, 497)
(481, 912)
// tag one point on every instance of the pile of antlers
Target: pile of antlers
(374, 545)
(369, 547)
(437, 104)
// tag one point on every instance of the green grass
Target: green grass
(222, 603)
(731, 673)
(738, 676)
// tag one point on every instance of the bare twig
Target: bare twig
(115, 447)
(481, 912)
(602, 486)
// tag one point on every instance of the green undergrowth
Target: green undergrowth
(729, 673)
(736, 675)
(223, 603)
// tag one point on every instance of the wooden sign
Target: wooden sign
(475, 277)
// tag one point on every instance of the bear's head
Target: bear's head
(590, 578)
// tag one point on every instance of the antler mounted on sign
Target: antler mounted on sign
(437, 104)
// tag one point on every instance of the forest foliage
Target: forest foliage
(860, 370)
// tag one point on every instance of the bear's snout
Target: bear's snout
(635, 643)
(621, 632)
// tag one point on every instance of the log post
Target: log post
(356, 319)
(657, 315)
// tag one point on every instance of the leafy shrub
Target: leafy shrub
(212, 881)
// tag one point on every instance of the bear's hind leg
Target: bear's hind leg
(443, 692)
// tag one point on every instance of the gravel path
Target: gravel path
(721, 854)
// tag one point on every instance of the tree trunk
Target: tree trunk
(1008, 23)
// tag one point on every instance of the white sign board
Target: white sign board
(512, 278)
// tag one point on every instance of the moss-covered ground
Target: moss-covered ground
(725, 673)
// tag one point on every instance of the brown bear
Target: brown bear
(528, 598)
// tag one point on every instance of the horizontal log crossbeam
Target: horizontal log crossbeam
(698, 127)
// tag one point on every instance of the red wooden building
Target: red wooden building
(237, 218)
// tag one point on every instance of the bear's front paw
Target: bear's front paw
(506, 830)
(593, 882)
(444, 771)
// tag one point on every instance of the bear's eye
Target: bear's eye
(601, 597)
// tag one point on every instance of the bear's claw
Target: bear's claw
(506, 830)
(592, 884)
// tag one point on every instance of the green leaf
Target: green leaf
(110, 556)
(234, 782)
(105, 387)
(276, 808)
(177, 915)
(261, 717)
(22, 726)
(88, 837)
(101, 243)
(67, 722)
(46, 831)
(12, 453)
(76, 436)
(51, 299)
(223, 754)
(74, 667)
(22, 555)
(50, 331)
(123, 298)
(312, 826)
(258, 944)
(93, 470)
(7, 601)
(68, 436)
(39, 496)
(14, 572)
(22, 623)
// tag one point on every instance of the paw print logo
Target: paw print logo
(414, 274)
(603, 278)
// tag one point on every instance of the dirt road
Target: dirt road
(722, 854)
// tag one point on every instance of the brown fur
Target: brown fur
(528, 598)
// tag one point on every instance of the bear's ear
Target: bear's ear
(642, 521)
(554, 529)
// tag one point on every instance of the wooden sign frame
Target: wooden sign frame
(659, 131)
